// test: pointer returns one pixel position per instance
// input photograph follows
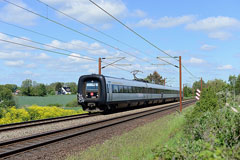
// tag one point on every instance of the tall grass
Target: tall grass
(136, 144)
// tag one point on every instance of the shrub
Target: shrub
(55, 104)
(34, 112)
(212, 131)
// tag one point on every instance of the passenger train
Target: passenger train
(103, 93)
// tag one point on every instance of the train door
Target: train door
(110, 91)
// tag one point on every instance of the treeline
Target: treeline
(32, 88)
(217, 85)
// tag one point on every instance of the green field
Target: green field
(43, 101)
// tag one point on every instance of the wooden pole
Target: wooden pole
(180, 82)
(99, 66)
(164, 81)
(201, 83)
(183, 92)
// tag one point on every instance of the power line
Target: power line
(74, 30)
(108, 64)
(93, 28)
(138, 35)
(45, 44)
(56, 52)
(190, 72)
(131, 29)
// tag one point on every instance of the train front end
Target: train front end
(92, 92)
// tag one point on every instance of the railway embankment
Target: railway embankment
(208, 130)
(140, 142)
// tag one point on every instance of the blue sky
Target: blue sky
(205, 33)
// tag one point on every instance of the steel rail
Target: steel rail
(19, 125)
(14, 146)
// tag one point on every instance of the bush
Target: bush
(6, 98)
(34, 112)
(212, 131)
(55, 104)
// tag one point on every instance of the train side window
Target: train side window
(133, 89)
(137, 89)
(120, 89)
(115, 89)
(125, 89)
(129, 89)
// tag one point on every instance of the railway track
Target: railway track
(15, 146)
(13, 126)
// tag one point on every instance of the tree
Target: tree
(27, 87)
(73, 87)
(41, 90)
(187, 91)
(155, 78)
(6, 98)
(12, 87)
(217, 85)
(197, 85)
(58, 86)
(237, 86)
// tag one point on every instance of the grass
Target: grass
(138, 143)
(43, 101)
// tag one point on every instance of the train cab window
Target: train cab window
(115, 89)
(120, 89)
(125, 89)
(129, 89)
(92, 89)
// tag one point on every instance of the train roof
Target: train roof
(138, 83)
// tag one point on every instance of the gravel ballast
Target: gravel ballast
(12, 134)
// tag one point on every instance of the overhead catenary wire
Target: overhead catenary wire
(56, 52)
(131, 30)
(74, 30)
(93, 28)
(47, 45)
(138, 35)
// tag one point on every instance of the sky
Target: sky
(204, 33)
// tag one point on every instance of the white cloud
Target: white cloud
(85, 11)
(13, 47)
(214, 23)
(225, 67)
(13, 14)
(31, 65)
(13, 55)
(42, 56)
(216, 27)
(18, 63)
(74, 59)
(77, 45)
(164, 22)
(138, 13)
(196, 61)
(207, 47)
(220, 35)
(28, 72)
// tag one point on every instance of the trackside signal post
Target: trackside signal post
(180, 82)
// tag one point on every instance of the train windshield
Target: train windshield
(92, 85)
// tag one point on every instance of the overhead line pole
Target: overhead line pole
(180, 82)
(201, 83)
(99, 66)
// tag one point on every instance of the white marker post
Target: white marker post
(198, 93)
